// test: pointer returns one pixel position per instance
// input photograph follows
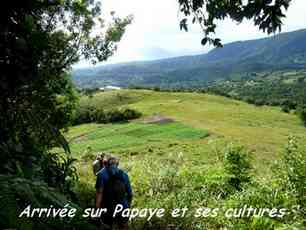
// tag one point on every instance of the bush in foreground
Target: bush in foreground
(237, 166)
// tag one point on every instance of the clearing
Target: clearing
(194, 125)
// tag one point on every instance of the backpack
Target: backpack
(114, 191)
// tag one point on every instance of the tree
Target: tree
(39, 41)
(266, 14)
(237, 166)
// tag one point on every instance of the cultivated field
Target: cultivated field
(202, 123)
(175, 153)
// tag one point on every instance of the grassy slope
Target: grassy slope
(128, 136)
(264, 130)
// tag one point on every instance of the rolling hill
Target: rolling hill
(184, 162)
(263, 130)
(285, 51)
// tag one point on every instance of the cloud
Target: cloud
(155, 31)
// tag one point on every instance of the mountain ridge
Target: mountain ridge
(279, 52)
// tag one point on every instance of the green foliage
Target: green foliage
(237, 166)
(85, 193)
(98, 115)
(40, 40)
(282, 88)
(293, 175)
(265, 14)
(302, 114)
(59, 171)
(18, 192)
(270, 88)
(39, 43)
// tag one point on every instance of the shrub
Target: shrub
(292, 175)
(259, 102)
(131, 114)
(85, 193)
(237, 166)
(285, 109)
(287, 106)
(83, 115)
(88, 114)
(302, 114)
(114, 116)
(59, 171)
(18, 192)
(157, 89)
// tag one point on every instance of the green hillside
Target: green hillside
(285, 51)
(280, 88)
(264, 130)
(206, 142)
(126, 136)
(180, 154)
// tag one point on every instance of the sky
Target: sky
(155, 32)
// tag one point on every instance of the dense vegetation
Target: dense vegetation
(99, 115)
(91, 109)
(285, 89)
(39, 41)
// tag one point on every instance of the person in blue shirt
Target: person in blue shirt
(113, 187)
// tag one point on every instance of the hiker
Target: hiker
(113, 187)
(99, 163)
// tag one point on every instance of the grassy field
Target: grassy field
(181, 163)
(203, 123)
(129, 136)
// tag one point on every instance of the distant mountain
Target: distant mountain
(284, 51)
